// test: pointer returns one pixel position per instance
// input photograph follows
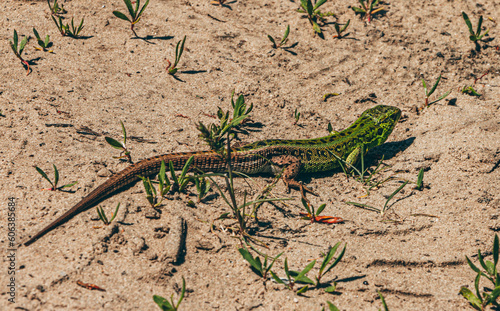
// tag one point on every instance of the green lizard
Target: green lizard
(266, 156)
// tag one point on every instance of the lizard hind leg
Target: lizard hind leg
(291, 166)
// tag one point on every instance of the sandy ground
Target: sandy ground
(109, 76)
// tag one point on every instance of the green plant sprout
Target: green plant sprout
(44, 44)
(66, 30)
(18, 50)
(475, 36)
(135, 14)
(104, 218)
(283, 40)
(313, 13)
(367, 8)
(125, 153)
(294, 277)
(55, 9)
(261, 269)
(215, 135)
(326, 262)
(296, 116)
(480, 301)
(385, 208)
(56, 179)
(165, 305)
(429, 93)
(339, 31)
(180, 183)
(314, 216)
(178, 53)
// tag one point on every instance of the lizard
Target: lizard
(290, 157)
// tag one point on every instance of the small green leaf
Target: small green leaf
(473, 300)
(435, 86)
(318, 4)
(332, 288)
(143, 8)
(162, 303)
(22, 45)
(56, 176)
(306, 269)
(331, 306)
(316, 27)
(120, 15)
(69, 185)
(420, 179)
(358, 10)
(283, 41)
(276, 278)
(114, 143)
(272, 41)
(39, 170)
(467, 21)
(303, 289)
(320, 209)
(345, 26)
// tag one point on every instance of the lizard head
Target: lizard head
(382, 120)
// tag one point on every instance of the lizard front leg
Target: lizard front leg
(291, 166)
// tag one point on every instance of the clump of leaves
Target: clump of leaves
(178, 53)
(56, 179)
(475, 36)
(69, 30)
(125, 153)
(18, 50)
(261, 269)
(469, 90)
(429, 93)
(218, 135)
(481, 300)
(368, 9)
(215, 135)
(166, 305)
(104, 218)
(202, 186)
(135, 14)
(44, 44)
(55, 9)
(314, 216)
(163, 187)
(313, 13)
(283, 40)
(339, 30)
(294, 277)
(386, 206)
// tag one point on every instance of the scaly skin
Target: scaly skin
(267, 156)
